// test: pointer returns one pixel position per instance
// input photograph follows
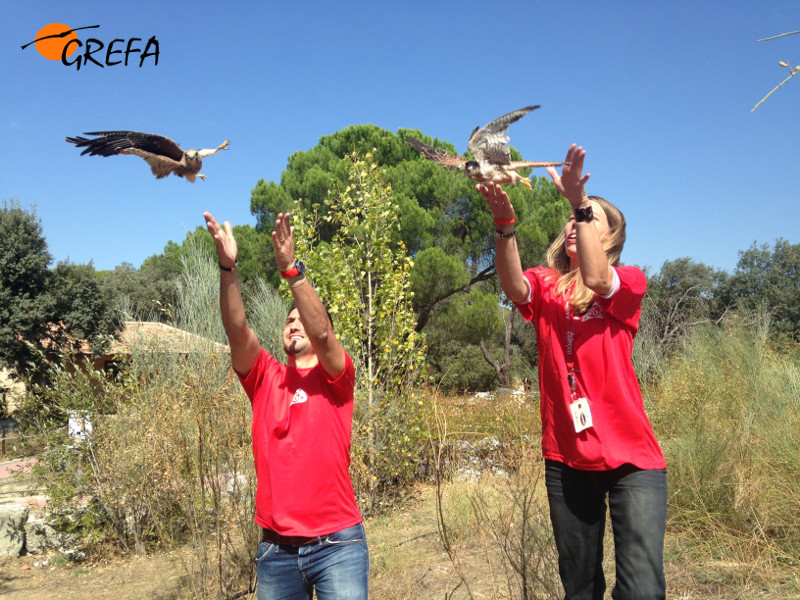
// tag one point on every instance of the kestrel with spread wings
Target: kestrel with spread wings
(162, 154)
(489, 146)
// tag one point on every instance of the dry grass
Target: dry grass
(727, 412)
(408, 562)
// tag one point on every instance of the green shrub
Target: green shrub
(728, 415)
(169, 460)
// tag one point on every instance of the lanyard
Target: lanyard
(569, 353)
(579, 407)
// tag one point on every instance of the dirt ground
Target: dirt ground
(406, 556)
(153, 577)
(36, 577)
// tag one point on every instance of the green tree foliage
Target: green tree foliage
(680, 295)
(443, 220)
(256, 255)
(149, 293)
(144, 294)
(476, 328)
(466, 369)
(769, 275)
(363, 275)
(311, 175)
(42, 311)
(80, 303)
(25, 306)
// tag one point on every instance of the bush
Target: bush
(169, 459)
(508, 512)
(728, 414)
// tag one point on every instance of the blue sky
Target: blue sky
(659, 93)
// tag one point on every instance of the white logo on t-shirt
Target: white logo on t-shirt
(594, 312)
(299, 397)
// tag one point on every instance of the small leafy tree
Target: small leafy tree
(363, 275)
(169, 458)
(41, 310)
(24, 302)
(681, 295)
(82, 306)
(768, 276)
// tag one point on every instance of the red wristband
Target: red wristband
(505, 221)
(297, 268)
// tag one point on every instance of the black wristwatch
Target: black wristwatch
(298, 268)
(584, 215)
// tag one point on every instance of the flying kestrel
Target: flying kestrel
(489, 146)
(162, 154)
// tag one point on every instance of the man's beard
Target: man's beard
(292, 348)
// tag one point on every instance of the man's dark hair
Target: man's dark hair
(330, 318)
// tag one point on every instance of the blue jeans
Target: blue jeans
(637, 501)
(337, 567)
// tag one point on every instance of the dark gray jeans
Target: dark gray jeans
(637, 502)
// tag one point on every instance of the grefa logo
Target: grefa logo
(58, 41)
(595, 312)
(299, 397)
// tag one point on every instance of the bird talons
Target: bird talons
(201, 176)
(527, 183)
(223, 145)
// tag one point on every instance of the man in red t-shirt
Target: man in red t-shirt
(312, 533)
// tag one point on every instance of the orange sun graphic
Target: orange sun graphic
(55, 38)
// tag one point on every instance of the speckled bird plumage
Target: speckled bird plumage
(492, 156)
(162, 154)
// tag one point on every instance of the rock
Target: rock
(489, 447)
(40, 537)
(74, 554)
(237, 486)
(12, 529)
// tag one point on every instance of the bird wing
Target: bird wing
(530, 164)
(490, 142)
(109, 143)
(161, 166)
(437, 156)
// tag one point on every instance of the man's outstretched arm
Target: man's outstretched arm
(243, 341)
(329, 351)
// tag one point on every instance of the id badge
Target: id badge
(581, 415)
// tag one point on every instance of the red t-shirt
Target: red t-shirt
(302, 421)
(602, 342)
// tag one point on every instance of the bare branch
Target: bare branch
(775, 37)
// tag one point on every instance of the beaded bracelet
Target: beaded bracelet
(298, 283)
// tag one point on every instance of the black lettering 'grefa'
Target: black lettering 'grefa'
(94, 46)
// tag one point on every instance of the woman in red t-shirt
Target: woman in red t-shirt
(596, 439)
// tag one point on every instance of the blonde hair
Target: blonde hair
(558, 261)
